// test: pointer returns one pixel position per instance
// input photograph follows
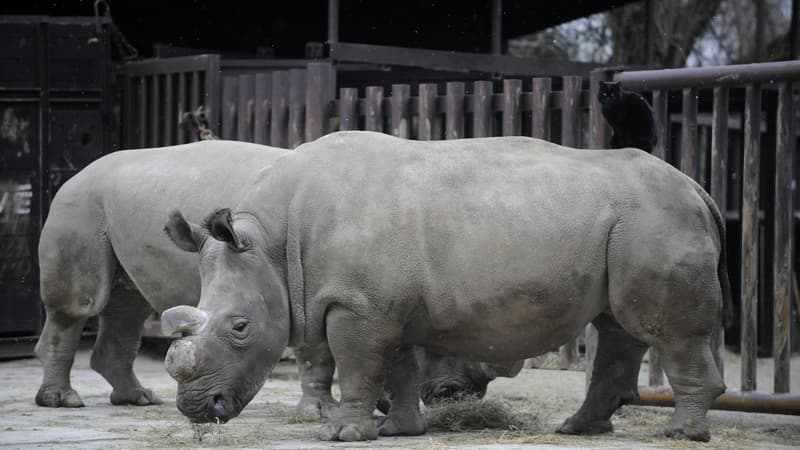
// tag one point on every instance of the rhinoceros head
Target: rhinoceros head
(230, 342)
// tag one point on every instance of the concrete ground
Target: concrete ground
(542, 399)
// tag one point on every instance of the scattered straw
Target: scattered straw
(472, 413)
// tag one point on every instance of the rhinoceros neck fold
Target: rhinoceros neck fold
(295, 287)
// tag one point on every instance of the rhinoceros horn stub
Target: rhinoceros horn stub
(181, 360)
(182, 321)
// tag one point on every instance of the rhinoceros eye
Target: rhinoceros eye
(240, 326)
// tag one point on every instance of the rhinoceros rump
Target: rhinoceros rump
(488, 249)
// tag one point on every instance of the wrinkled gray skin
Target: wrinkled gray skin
(105, 224)
(102, 251)
(488, 249)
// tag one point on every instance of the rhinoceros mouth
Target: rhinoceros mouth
(213, 408)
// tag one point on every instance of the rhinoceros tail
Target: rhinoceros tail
(722, 268)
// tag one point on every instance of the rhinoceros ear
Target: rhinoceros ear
(219, 225)
(187, 236)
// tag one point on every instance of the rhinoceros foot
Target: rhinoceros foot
(134, 396)
(56, 397)
(311, 406)
(402, 423)
(580, 425)
(688, 429)
(348, 430)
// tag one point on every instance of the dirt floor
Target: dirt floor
(538, 399)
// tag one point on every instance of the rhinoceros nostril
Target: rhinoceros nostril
(219, 407)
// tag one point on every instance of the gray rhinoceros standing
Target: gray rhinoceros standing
(102, 252)
(487, 249)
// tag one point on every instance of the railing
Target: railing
(757, 80)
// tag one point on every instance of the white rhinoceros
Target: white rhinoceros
(487, 249)
(103, 252)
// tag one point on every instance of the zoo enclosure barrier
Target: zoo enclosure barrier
(286, 106)
(764, 205)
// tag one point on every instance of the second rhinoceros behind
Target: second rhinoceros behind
(488, 249)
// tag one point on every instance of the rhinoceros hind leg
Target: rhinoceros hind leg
(56, 349)
(696, 382)
(316, 367)
(614, 378)
(404, 417)
(118, 342)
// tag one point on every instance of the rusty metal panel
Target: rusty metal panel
(482, 109)
(512, 117)
(373, 112)
(782, 274)
(20, 62)
(400, 111)
(454, 110)
(750, 235)
(540, 112)
(77, 135)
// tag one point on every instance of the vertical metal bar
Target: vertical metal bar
(598, 135)
(512, 96)
(649, 31)
(427, 111)
(761, 12)
(497, 27)
(660, 104)
(719, 192)
(320, 84)
(170, 121)
(245, 104)
(400, 110)
(194, 90)
(211, 91)
(142, 112)
(482, 109)
(333, 21)
(782, 273)
(348, 114)
(373, 113)
(540, 114)
(794, 31)
(153, 110)
(127, 115)
(749, 278)
(571, 112)
(182, 107)
(262, 108)
(454, 110)
(280, 109)
(297, 106)
(230, 96)
(689, 133)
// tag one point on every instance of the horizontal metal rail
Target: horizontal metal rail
(729, 401)
(707, 77)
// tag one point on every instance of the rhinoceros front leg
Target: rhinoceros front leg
(402, 386)
(316, 366)
(359, 347)
(118, 343)
(614, 378)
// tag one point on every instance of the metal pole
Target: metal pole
(761, 11)
(333, 21)
(649, 31)
(794, 32)
(497, 27)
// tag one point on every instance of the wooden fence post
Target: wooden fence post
(320, 85)
(512, 102)
(230, 96)
(297, 106)
(401, 119)
(427, 112)
(245, 108)
(373, 109)
(454, 111)
(348, 113)
(280, 109)
(540, 113)
(482, 109)
(263, 105)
